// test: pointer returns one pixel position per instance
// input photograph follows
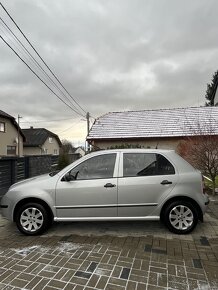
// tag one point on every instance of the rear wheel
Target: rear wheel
(181, 217)
(32, 219)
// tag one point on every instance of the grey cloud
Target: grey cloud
(112, 55)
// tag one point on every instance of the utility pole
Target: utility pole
(88, 125)
(18, 137)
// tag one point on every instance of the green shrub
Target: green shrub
(63, 160)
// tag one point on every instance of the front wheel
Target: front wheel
(180, 217)
(32, 219)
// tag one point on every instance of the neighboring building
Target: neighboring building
(10, 135)
(40, 141)
(162, 128)
(79, 150)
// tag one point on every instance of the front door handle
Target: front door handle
(164, 182)
(109, 185)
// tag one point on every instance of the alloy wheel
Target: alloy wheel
(31, 219)
(181, 217)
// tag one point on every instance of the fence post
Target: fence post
(13, 171)
(27, 166)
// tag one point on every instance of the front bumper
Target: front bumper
(6, 208)
(3, 206)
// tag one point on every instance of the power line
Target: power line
(69, 127)
(8, 37)
(43, 121)
(38, 76)
(35, 61)
(41, 57)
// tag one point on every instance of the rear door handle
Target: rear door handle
(109, 185)
(166, 182)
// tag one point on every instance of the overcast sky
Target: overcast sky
(111, 55)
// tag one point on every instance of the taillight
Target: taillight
(203, 185)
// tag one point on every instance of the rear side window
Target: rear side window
(146, 164)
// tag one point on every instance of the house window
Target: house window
(11, 150)
(50, 140)
(55, 152)
(2, 127)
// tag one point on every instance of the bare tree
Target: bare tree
(201, 150)
(67, 146)
(64, 159)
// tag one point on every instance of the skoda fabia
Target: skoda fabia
(121, 185)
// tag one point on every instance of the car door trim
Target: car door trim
(85, 206)
(105, 206)
(137, 204)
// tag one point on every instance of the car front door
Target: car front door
(146, 179)
(89, 190)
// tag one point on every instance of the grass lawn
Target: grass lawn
(208, 183)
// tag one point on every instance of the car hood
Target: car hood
(28, 181)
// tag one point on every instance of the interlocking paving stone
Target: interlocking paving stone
(148, 248)
(125, 273)
(204, 241)
(57, 284)
(94, 280)
(158, 251)
(197, 263)
(105, 262)
(92, 267)
(83, 274)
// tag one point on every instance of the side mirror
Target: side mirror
(68, 177)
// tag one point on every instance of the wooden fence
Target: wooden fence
(14, 169)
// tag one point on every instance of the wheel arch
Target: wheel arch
(35, 200)
(184, 198)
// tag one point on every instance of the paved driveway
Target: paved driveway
(130, 255)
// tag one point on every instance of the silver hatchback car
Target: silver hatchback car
(131, 184)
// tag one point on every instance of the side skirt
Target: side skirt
(80, 219)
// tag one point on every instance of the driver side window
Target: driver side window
(97, 167)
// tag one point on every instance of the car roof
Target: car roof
(133, 150)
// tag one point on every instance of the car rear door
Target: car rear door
(145, 179)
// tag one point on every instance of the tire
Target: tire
(32, 219)
(181, 217)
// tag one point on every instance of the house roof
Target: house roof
(13, 121)
(5, 115)
(156, 123)
(37, 137)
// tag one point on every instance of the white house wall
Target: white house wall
(32, 151)
(161, 144)
(52, 148)
(9, 138)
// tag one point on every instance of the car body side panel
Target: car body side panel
(189, 185)
(139, 196)
(41, 188)
(86, 198)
